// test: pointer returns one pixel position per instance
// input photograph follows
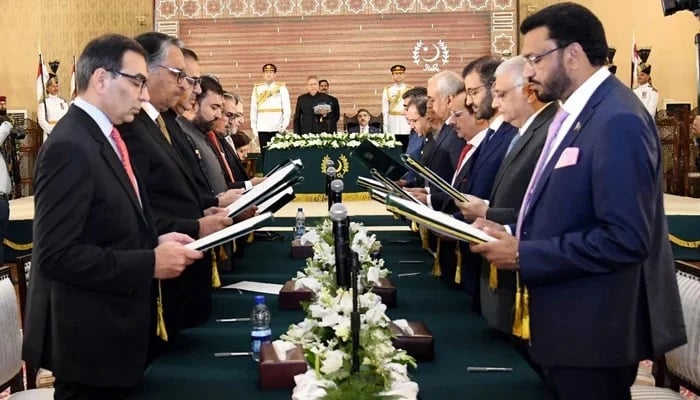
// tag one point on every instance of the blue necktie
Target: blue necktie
(512, 143)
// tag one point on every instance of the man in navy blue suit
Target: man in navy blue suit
(591, 242)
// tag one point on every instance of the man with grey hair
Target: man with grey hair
(520, 106)
(172, 190)
(443, 155)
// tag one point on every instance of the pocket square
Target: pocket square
(568, 157)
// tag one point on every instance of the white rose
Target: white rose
(333, 362)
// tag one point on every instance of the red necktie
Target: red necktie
(463, 154)
(124, 156)
(215, 142)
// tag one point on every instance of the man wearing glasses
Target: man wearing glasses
(170, 183)
(96, 252)
(591, 241)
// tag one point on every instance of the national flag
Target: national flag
(42, 76)
(636, 60)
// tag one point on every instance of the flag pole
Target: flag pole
(43, 86)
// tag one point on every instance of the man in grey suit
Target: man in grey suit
(519, 106)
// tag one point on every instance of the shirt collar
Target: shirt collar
(150, 110)
(96, 114)
(579, 98)
(495, 125)
(528, 122)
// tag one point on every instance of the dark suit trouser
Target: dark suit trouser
(79, 391)
(591, 383)
(264, 138)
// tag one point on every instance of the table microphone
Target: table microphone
(336, 194)
(330, 175)
(341, 241)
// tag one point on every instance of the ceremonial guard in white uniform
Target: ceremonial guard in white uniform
(392, 104)
(270, 110)
(646, 93)
(55, 108)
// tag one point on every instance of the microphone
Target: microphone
(336, 195)
(341, 239)
(330, 175)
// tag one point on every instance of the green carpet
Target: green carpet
(189, 370)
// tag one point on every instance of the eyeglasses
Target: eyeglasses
(499, 94)
(233, 115)
(457, 114)
(471, 92)
(535, 59)
(179, 74)
(137, 79)
(193, 80)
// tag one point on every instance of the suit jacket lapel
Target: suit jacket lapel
(112, 159)
(572, 134)
(170, 150)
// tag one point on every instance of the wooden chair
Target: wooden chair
(11, 375)
(351, 121)
(682, 365)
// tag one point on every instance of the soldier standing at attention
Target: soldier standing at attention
(55, 107)
(646, 93)
(392, 106)
(270, 110)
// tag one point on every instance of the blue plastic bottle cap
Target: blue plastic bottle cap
(259, 299)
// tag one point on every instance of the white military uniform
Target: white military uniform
(270, 110)
(392, 109)
(649, 97)
(5, 182)
(57, 108)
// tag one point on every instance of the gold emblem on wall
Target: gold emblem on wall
(342, 165)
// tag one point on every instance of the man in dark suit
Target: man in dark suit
(519, 106)
(442, 156)
(323, 87)
(90, 311)
(170, 183)
(363, 125)
(591, 242)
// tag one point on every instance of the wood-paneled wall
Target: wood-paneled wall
(354, 52)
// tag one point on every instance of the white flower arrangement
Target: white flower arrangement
(330, 140)
(320, 269)
(325, 337)
(325, 334)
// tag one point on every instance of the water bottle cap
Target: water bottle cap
(259, 299)
(299, 209)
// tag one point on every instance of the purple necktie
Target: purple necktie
(541, 162)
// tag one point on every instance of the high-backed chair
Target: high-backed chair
(351, 121)
(11, 345)
(682, 365)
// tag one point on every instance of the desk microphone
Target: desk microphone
(341, 241)
(336, 195)
(330, 175)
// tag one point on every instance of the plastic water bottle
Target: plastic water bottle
(261, 332)
(300, 224)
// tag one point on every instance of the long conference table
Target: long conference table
(188, 369)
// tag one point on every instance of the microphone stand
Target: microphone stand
(330, 176)
(341, 239)
(355, 315)
(336, 193)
